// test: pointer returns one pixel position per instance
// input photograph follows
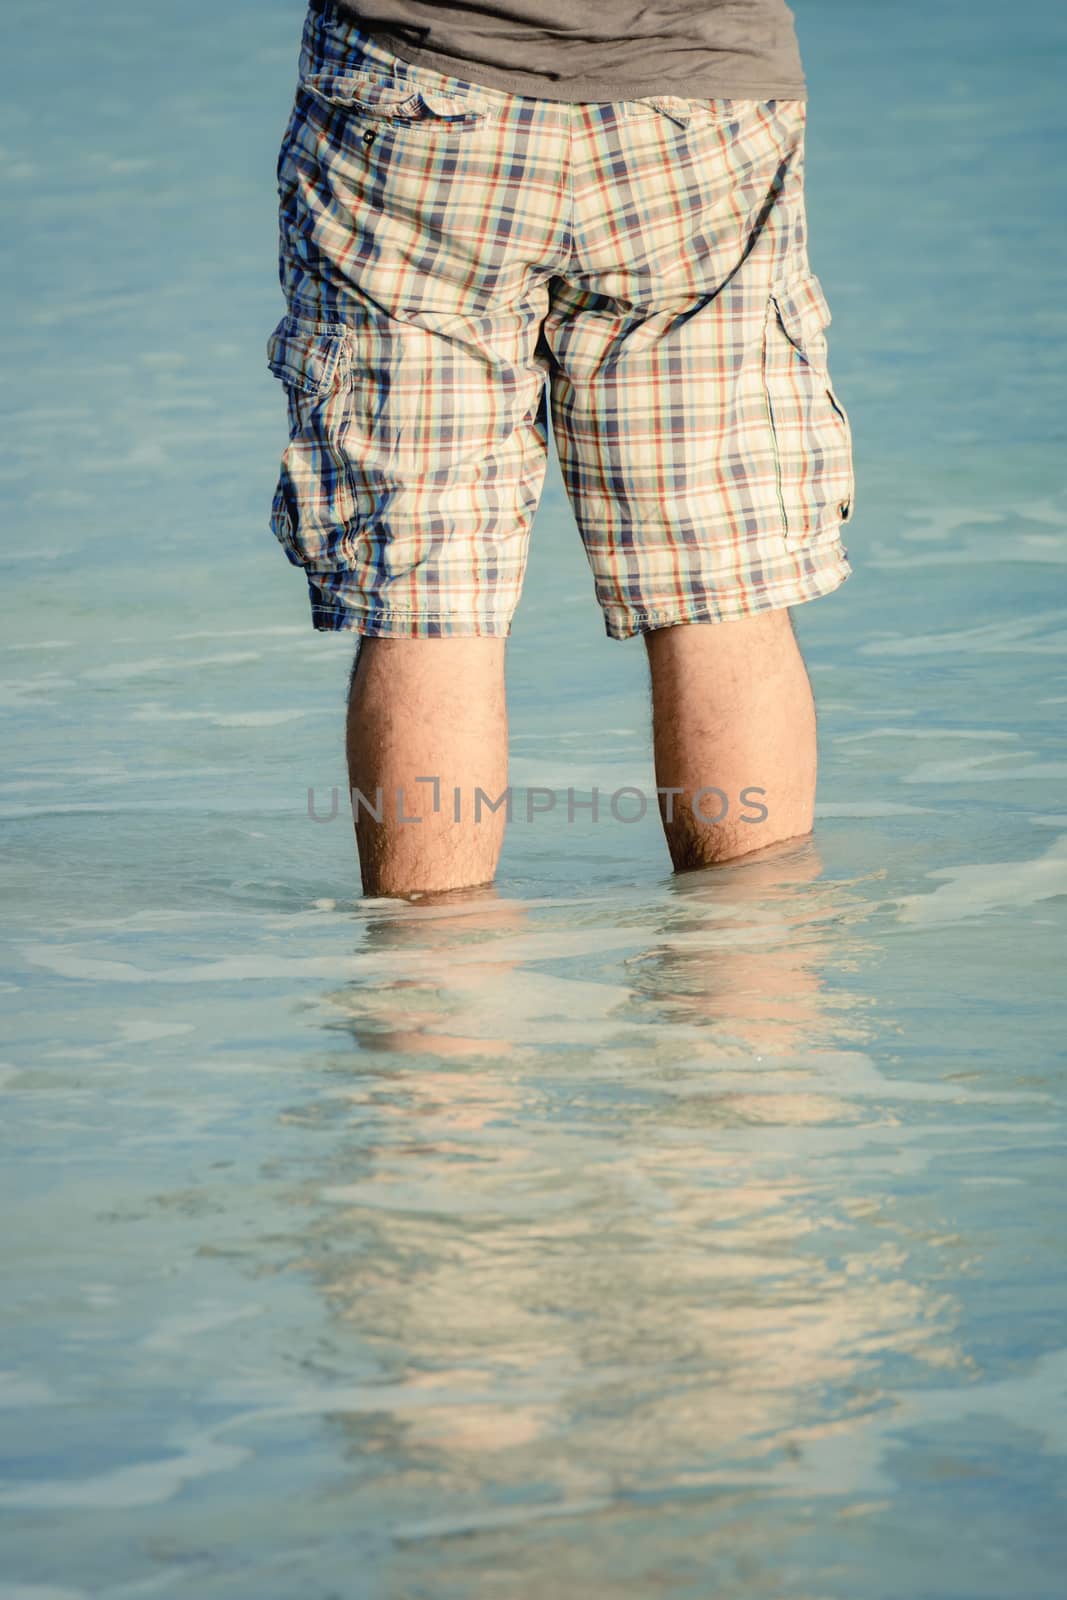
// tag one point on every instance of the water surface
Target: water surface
(609, 1233)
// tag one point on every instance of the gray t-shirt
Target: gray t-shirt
(596, 49)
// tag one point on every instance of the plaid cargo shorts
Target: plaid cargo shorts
(446, 248)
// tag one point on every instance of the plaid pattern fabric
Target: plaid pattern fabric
(457, 259)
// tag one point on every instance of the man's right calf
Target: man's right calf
(427, 717)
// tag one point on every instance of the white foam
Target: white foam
(42, 644)
(984, 769)
(520, 1516)
(229, 719)
(141, 1030)
(975, 890)
(17, 692)
(940, 522)
(1042, 549)
(221, 805)
(976, 534)
(173, 1333)
(119, 671)
(17, 1391)
(939, 735)
(67, 963)
(142, 1483)
(1015, 634)
(853, 1458)
(870, 808)
(839, 1075)
(277, 630)
(39, 1591)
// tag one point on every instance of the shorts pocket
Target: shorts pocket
(810, 427)
(314, 504)
(308, 355)
(695, 113)
(393, 104)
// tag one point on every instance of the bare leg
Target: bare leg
(430, 709)
(732, 710)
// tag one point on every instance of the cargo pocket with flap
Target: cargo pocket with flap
(810, 428)
(380, 105)
(314, 502)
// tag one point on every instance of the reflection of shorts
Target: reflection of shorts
(446, 248)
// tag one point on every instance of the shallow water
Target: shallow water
(608, 1233)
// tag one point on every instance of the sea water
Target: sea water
(608, 1233)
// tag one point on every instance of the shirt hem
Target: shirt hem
(587, 91)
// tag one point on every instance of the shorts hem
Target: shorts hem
(621, 622)
(392, 623)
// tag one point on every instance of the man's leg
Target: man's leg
(705, 453)
(732, 710)
(430, 709)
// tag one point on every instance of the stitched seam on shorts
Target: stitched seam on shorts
(847, 506)
(726, 595)
(826, 581)
(770, 423)
(389, 614)
(568, 179)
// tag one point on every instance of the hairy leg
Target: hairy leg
(732, 710)
(433, 709)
